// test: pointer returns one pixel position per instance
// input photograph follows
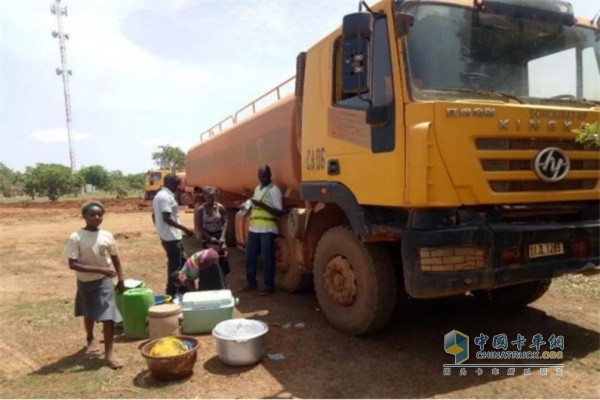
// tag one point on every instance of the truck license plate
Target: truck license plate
(545, 249)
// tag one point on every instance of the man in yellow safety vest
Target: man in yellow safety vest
(266, 207)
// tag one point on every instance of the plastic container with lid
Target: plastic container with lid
(164, 320)
(240, 341)
(202, 311)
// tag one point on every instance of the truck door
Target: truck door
(361, 154)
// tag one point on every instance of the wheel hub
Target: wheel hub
(283, 257)
(340, 281)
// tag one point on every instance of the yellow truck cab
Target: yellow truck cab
(428, 151)
(154, 181)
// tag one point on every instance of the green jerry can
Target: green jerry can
(136, 303)
(129, 284)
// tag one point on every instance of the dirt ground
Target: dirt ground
(41, 343)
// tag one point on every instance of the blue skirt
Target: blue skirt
(96, 300)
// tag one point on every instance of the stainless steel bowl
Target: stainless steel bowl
(240, 341)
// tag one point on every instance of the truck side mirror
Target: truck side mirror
(377, 116)
(403, 23)
(357, 29)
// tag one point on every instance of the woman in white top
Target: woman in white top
(93, 255)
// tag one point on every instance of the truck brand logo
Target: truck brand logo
(536, 125)
(551, 164)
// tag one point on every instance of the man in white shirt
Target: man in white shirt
(166, 220)
(266, 207)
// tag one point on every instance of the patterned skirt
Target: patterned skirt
(96, 300)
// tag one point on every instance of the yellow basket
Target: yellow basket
(174, 367)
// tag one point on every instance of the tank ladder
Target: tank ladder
(252, 107)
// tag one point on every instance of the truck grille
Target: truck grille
(510, 163)
(529, 144)
(541, 186)
(526, 165)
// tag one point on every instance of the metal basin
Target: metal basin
(240, 341)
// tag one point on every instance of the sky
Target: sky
(147, 72)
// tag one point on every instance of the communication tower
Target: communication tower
(57, 9)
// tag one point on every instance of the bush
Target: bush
(589, 135)
(51, 180)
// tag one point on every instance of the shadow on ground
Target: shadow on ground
(77, 362)
(215, 366)
(146, 381)
(404, 360)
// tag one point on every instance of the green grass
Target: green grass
(63, 371)
(39, 314)
(80, 378)
(100, 194)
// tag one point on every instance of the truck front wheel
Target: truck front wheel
(355, 282)
(515, 296)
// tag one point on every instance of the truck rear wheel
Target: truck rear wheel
(186, 199)
(515, 296)
(288, 275)
(230, 239)
(355, 282)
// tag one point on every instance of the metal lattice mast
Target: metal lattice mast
(60, 11)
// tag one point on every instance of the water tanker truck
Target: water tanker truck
(428, 150)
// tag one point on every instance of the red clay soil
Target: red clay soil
(112, 205)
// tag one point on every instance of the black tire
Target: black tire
(149, 195)
(293, 280)
(515, 296)
(186, 199)
(372, 304)
(288, 275)
(230, 239)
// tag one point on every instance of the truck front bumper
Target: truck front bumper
(492, 269)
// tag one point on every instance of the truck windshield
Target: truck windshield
(456, 52)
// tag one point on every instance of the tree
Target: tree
(589, 135)
(117, 183)
(95, 175)
(136, 181)
(29, 182)
(120, 188)
(52, 180)
(18, 180)
(7, 180)
(115, 175)
(169, 157)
